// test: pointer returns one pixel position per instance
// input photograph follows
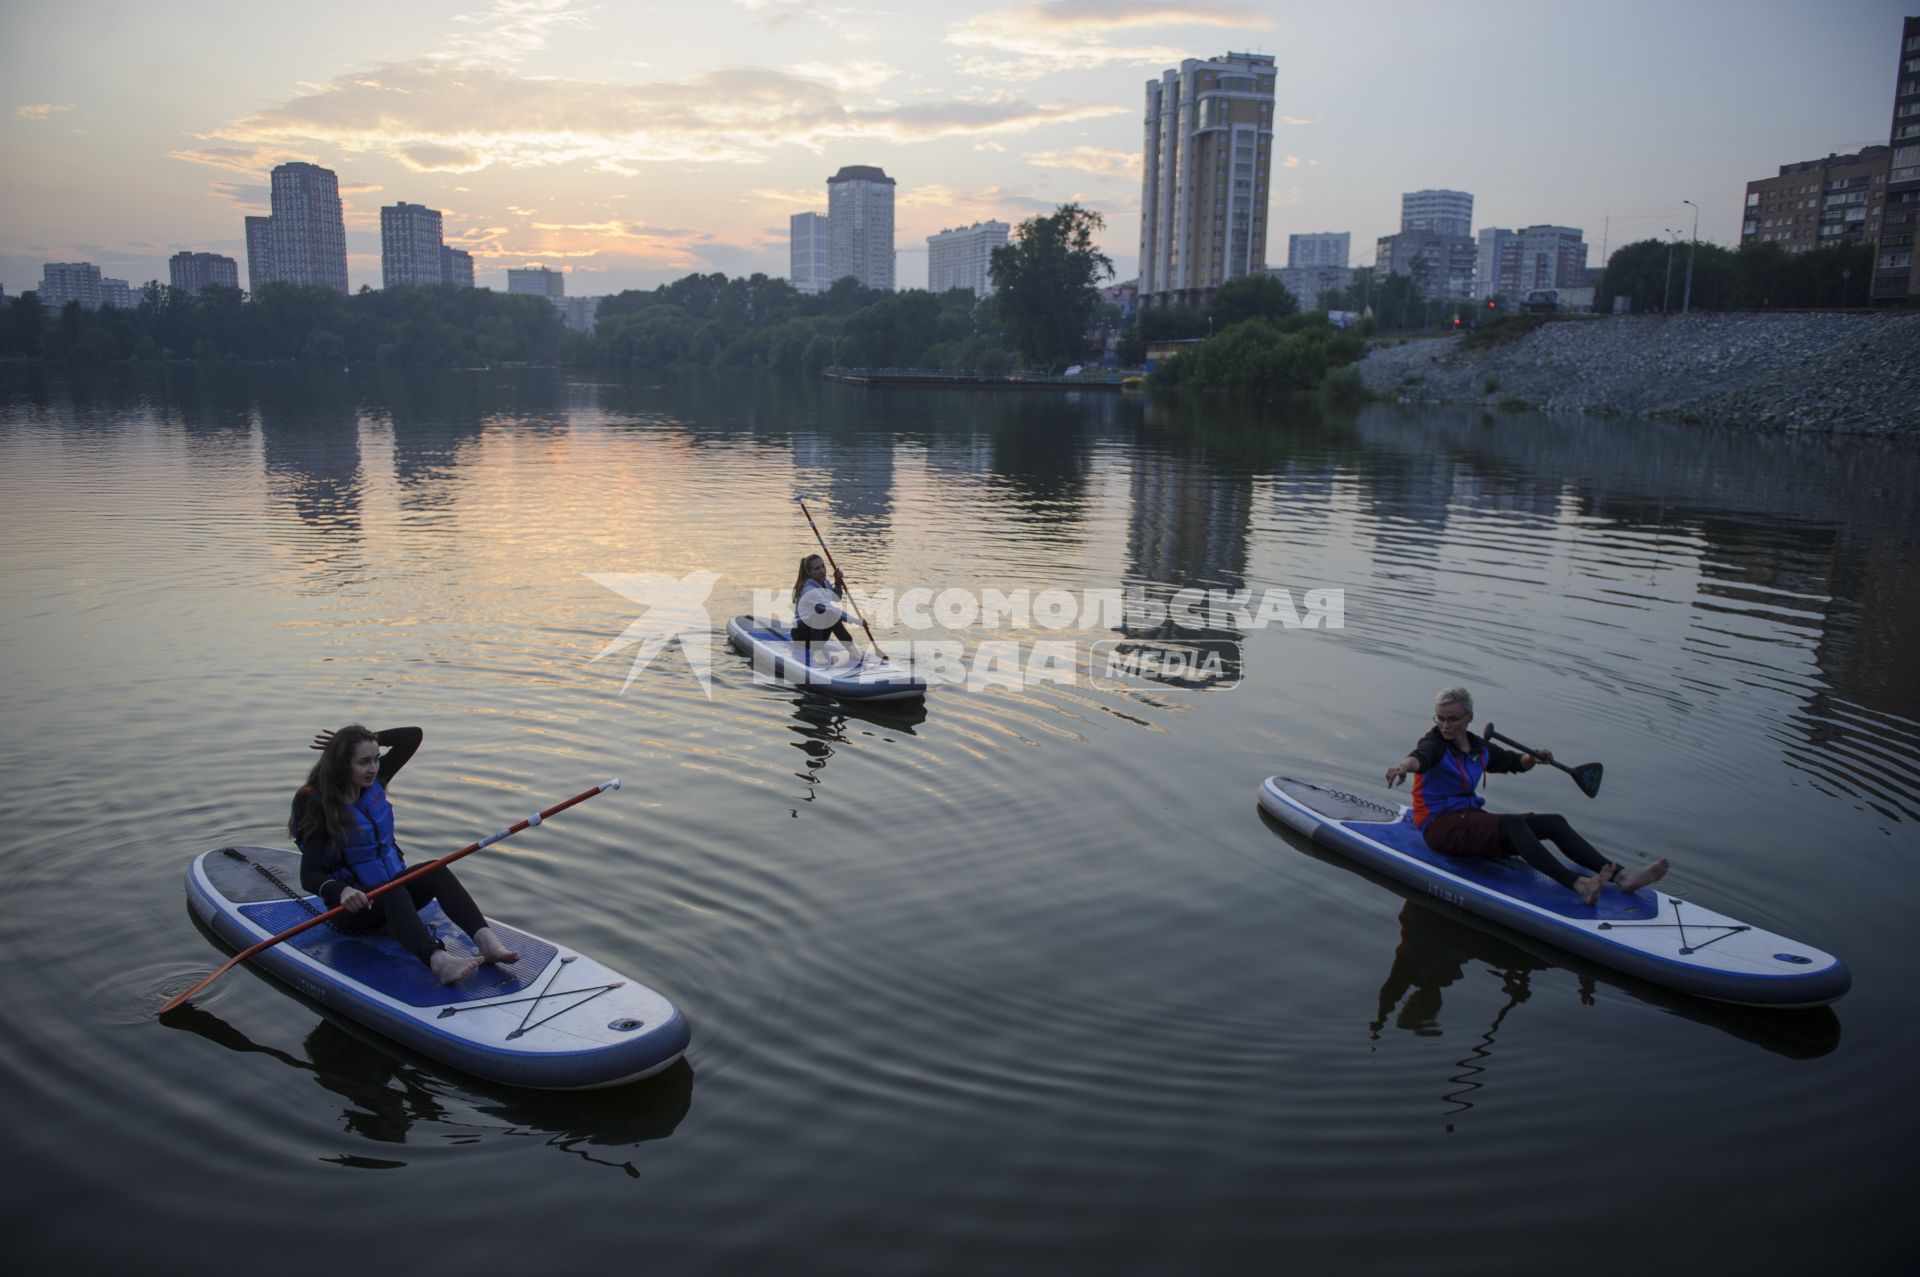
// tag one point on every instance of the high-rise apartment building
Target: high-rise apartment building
(1514, 263)
(456, 267)
(410, 246)
(305, 240)
(1441, 212)
(809, 248)
(536, 281)
(259, 252)
(1896, 268)
(860, 226)
(63, 282)
(191, 272)
(117, 293)
(1819, 203)
(1323, 248)
(1435, 245)
(963, 257)
(1207, 154)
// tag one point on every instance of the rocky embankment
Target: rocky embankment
(1821, 373)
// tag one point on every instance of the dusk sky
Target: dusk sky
(632, 143)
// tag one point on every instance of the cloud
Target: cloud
(512, 29)
(1091, 159)
(41, 110)
(432, 114)
(246, 196)
(1053, 36)
(848, 77)
(1294, 119)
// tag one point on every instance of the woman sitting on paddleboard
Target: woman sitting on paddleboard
(817, 611)
(343, 824)
(1448, 766)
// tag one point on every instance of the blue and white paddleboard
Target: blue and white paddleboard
(834, 669)
(554, 1020)
(1656, 937)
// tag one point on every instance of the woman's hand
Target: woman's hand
(1397, 773)
(320, 740)
(839, 582)
(355, 900)
(1538, 756)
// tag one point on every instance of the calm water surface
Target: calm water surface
(1020, 982)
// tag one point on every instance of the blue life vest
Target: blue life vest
(1452, 784)
(368, 856)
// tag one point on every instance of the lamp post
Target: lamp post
(1666, 290)
(1686, 298)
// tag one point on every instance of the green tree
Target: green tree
(1046, 285)
(1251, 297)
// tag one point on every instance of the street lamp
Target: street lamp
(1686, 298)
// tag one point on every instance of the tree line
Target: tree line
(1045, 313)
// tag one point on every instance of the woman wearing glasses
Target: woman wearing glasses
(1448, 766)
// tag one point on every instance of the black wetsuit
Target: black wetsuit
(398, 910)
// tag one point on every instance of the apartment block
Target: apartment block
(963, 257)
(1440, 212)
(1442, 265)
(191, 272)
(860, 226)
(304, 241)
(1819, 203)
(63, 282)
(456, 267)
(1514, 263)
(808, 250)
(537, 281)
(1207, 155)
(1896, 268)
(1306, 283)
(1320, 248)
(410, 247)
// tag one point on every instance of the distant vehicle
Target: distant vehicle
(1542, 301)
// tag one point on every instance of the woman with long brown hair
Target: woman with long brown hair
(343, 824)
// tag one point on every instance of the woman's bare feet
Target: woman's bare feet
(1634, 879)
(451, 968)
(1588, 889)
(492, 948)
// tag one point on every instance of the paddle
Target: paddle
(836, 571)
(431, 865)
(1586, 775)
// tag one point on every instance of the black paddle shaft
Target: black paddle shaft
(1586, 775)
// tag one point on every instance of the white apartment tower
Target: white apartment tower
(305, 241)
(1325, 248)
(537, 281)
(963, 257)
(410, 246)
(1208, 153)
(1441, 212)
(860, 226)
(809, 248)
(63, 282)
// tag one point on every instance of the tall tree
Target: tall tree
(1251, 297)
(1046, 284)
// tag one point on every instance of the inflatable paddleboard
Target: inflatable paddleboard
(832, 667)
(1646, 933)
(554, 1020)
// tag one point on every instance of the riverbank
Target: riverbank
(1836, 373)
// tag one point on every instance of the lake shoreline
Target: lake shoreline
(1834, 373)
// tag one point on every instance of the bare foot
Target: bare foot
(1588, 889)
(1635, 879)
(492, 948)
(451, 968)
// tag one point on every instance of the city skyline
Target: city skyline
(630, 147)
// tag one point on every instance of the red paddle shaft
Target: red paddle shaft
(431, 865)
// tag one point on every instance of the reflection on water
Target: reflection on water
(1036, 988)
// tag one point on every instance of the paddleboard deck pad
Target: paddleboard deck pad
(825, 669)
(1646, 933)
(554, 1020)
